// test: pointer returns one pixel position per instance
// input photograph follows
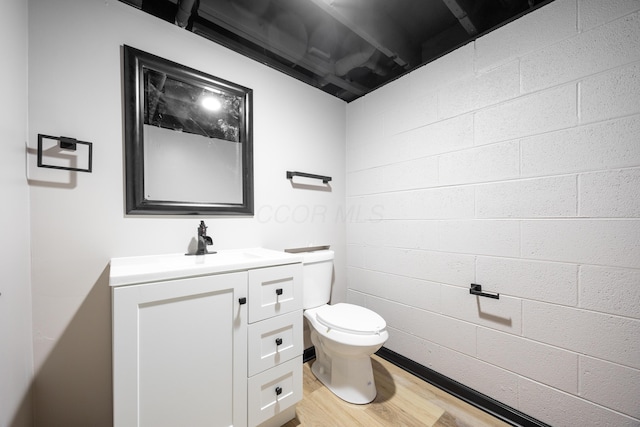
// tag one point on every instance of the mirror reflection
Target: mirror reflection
(191, 128)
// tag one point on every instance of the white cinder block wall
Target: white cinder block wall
(513, 162)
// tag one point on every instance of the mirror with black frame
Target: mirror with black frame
(188, 140)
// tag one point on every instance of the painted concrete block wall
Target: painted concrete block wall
(16, 351)
(78, 221)
(513, 162)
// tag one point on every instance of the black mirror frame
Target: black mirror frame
(134, 63)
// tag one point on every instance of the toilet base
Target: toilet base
(350, 378)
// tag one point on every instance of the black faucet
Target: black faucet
(203, 240)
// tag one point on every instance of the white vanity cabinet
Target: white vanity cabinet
(184, 350)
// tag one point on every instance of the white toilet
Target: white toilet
(344, 335)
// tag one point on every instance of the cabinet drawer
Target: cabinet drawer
(274, 390)
(274, 291)
(273, 341)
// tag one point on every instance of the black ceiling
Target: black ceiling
(344, 47)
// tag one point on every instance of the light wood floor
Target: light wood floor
(402, 400)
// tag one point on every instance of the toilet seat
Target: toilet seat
(351, 319)
(376, 335)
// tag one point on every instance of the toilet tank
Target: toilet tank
(317, 277)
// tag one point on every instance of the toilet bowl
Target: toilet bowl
(344, 335)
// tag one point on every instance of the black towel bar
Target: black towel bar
(68, 144)
(325, 179)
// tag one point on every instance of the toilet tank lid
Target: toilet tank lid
(351, 318)
(316, 256)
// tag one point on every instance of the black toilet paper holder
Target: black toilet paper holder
(477, 290)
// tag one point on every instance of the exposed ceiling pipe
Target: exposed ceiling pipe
(354, 60)
(374, 65)
(185, 7)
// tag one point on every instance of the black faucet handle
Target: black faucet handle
(202, 229)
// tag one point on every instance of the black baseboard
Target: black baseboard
(487, 404)
(309, 354)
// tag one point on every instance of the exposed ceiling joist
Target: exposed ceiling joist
(457, 10)
(270, 37)
(346, 48)
(384, 35)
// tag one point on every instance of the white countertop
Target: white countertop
(152, 268)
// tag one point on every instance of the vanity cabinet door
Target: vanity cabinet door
(180, 352)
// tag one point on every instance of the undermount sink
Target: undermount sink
(142, 269)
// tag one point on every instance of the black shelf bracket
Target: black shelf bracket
(477, 290)
(325, 179)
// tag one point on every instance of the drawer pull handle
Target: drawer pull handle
(242, 300)
(278, 391)
(278, 341)
(279, 291)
